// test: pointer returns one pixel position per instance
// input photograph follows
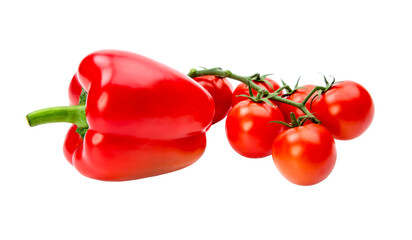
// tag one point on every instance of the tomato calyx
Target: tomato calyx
(259, 96)
(328, 85)
(295, 122)
(319, 90)
(290, 91)
(262, 78)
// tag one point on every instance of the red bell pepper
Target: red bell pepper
(139, 117)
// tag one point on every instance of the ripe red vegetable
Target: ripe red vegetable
(221, 90)
(249, 130)
(142, 118)
(305, 155)
(242, 89)
(346, 110)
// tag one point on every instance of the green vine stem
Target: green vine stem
(265, 93)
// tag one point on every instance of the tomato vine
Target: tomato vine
(264, 94)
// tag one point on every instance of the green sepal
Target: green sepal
(297, 83)
(259, 94)
(263, 79)
(255, 77)
(294, 121)
(289, 91)
(81, 131)
(326, 80)
(243, 95)
(330, 85)
(82, 101)
(317, 95)
(283, 123)
(269, 84)
(253, 99)
(250, 89)
(266, 75)
(267, 101)
(83, 97)
(303, 119)
(333, 81)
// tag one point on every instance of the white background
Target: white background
(223, 195)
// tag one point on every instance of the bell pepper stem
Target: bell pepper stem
(75, 114)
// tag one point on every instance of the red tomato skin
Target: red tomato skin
(242, 89)
(297, 96)
(248, 128)
(346, 110)
(221, 91)
(305, 155)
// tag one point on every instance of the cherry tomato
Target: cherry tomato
(249, 130)
(305, 155)
(296, 96)
(242, 89)
(221, 91)
(346, 110)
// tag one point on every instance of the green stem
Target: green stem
(294, 120)
(71, 114)
(317, 88)
(225, 73)
(259, 95)
(277, 92)
(249, 82)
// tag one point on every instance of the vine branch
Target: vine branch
(263, 93)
